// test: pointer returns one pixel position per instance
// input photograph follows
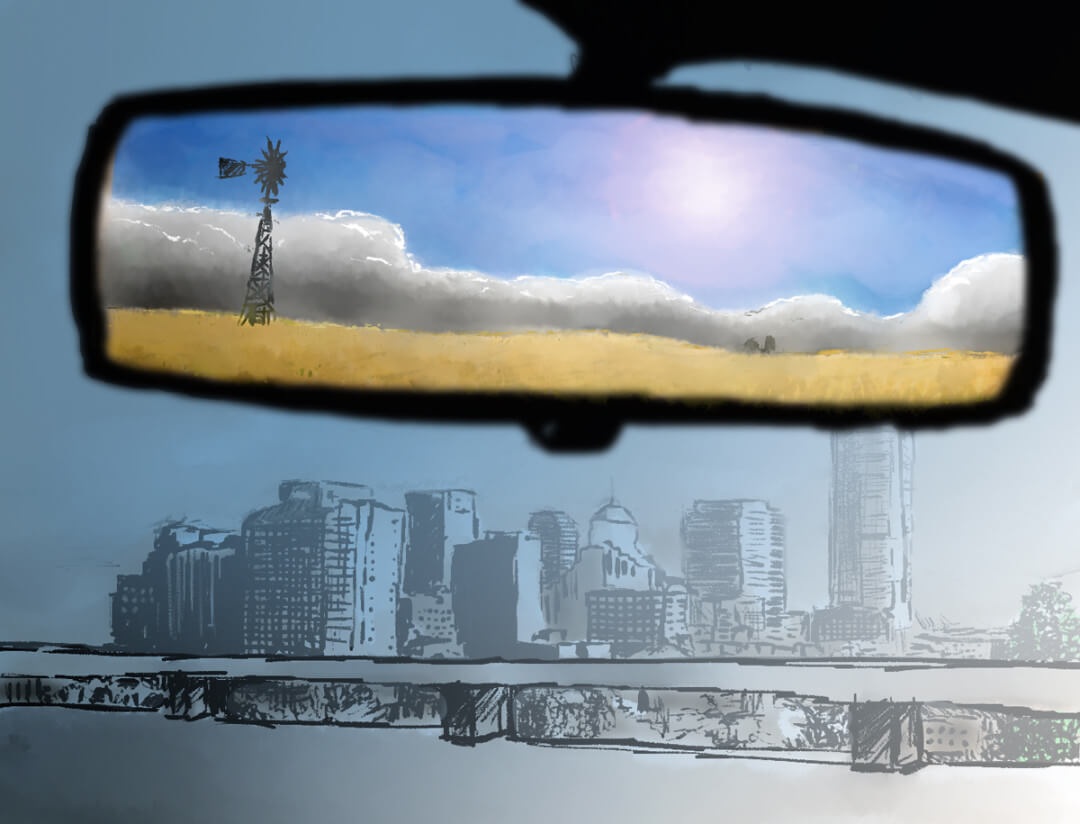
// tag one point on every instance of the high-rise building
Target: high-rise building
(187, 598)
(734, 549)
(133, 613)
(323, 572)
(438, 521)
(168, 538)
(712, 562)
(496, 594)
(613, 559)
(364, 543)
(870, 523)
(204, 591)
(558, 543)
(285, 605)
(612, 526)
(676, 613)
(638, 617)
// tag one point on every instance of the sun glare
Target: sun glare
(700, 185)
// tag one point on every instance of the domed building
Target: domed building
(614, 527)
(612, 560)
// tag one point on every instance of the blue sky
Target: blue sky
(733, 215)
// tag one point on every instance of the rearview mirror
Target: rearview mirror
(536, 251)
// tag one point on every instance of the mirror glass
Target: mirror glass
(557, 251)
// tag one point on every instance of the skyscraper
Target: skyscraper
(204, 591)
(558, 543)
(364, 542)
(322, 572)
(870, 522)
(189, 595)
(285, 605)
(613, 559)
(735, 548)
(438, 520)
(496, 593)
(133, 613)
(613, 526)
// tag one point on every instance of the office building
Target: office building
(185, 605)
(437, 521)
(204, 591)
(496, 594)
(634, 617)
(427, 625)
(613, 559)
(558, 536)
(323, 572)
(363, 551)
(133, 613)
(870, 524)
(735, 548)
(849, 623)
(625, 616)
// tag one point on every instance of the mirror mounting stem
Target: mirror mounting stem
(580, 433)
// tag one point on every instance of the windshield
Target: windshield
(944, 546)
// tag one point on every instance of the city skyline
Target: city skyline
(800, 490)
(332, 570)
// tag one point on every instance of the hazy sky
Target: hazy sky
(734, 215)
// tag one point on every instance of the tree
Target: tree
(1048, 628)
(752, 346)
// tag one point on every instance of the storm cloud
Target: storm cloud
(354, 268)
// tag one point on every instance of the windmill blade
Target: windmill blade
(227, 167)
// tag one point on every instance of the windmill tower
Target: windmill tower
(258, 306)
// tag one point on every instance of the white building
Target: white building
(870, 524)
(613, 559)
(677, 615)
(528, 571)
(363, 553)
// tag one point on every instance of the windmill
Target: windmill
(270, 174)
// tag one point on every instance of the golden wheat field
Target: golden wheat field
(213, 346)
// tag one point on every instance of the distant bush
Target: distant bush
(1048, 628)
(1036, 741)
(753, 346)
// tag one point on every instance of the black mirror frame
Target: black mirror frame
(574, 422)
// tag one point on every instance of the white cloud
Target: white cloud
(980, 303)
(353, 267)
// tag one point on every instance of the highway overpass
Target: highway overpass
(886, 715)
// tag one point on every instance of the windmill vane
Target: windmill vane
(258, 308)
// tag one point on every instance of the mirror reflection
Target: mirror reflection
(493, 249)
